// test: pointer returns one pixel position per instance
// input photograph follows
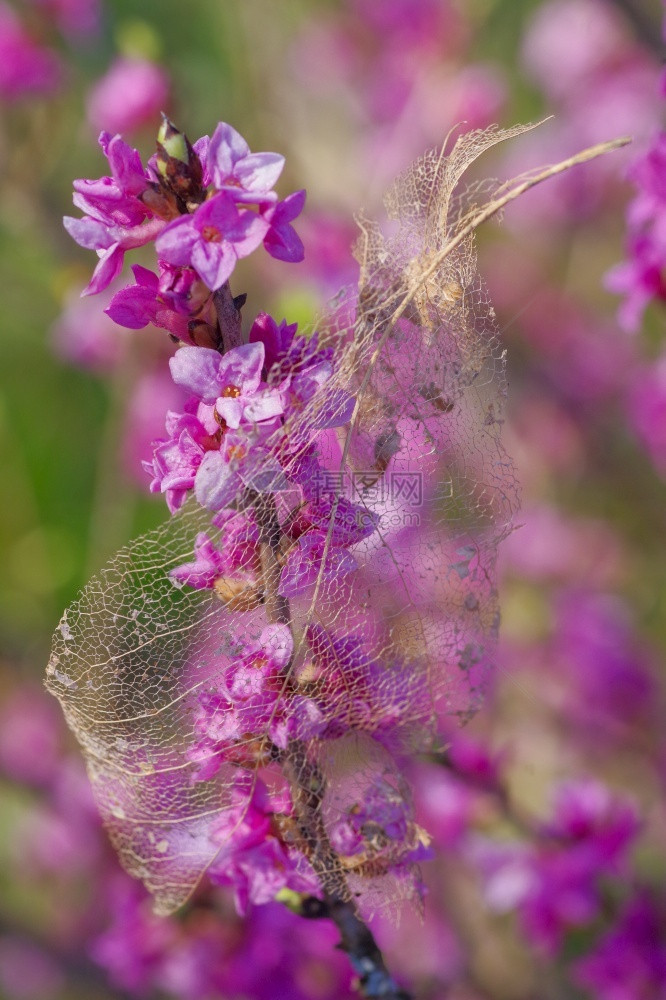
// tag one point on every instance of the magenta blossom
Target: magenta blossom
(242, 461)
(629, 963)
(282, 241)
(84, 336)
(212, 239)
(244, 701)
(277, 339)
(642, 277)
(252, 859)
(232, 382)
(245, 176)
(138, 305)
(379, 825)
(236, 556)
(351, 522)
(335, 408)
(115, 197)
(209, 564)
(116, 218)
(555, 883)
(170, 301)
(286, 353)
(640, 280)
(176, 459)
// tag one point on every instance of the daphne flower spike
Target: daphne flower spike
(254, 681)
(205, 205)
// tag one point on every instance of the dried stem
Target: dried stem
(512, 191)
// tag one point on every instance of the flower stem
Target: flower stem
(228, 308)
(374, 979)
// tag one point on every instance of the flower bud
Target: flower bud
(237, 594)
(178, 163)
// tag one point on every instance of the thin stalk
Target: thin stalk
(228, 311)
(357, 940)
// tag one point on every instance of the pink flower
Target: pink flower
(351, 523)
(568, 41)
(232, 382)
(245, 176)
(145, 302)
(640, 280)
(212, 239)
(110, 241)
(130, 94)
(241, 461)
(84, 336)
(629, 963)
(554, 883)
(243, 703)
(252, 859)
(379, 824)
(176, 460)
(153, 396)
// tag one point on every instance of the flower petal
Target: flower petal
(109, 267)
(215, 483)
(259, 172)
(284, 243)
(88, 233)
(227, 146)
(197, 369)
(133, 307)
(176, 241)
(214, 262)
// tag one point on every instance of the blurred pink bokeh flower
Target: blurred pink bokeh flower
(76, 19)
(131, 94)
(646, 409)
(26, 67)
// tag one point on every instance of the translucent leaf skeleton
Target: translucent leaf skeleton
(251, 682)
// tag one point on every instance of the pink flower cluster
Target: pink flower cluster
(249, 430)
(555, 883)
(129, 95)
(205, 207)
(59, 845)
(229, 437)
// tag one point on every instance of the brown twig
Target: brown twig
(228, 310)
